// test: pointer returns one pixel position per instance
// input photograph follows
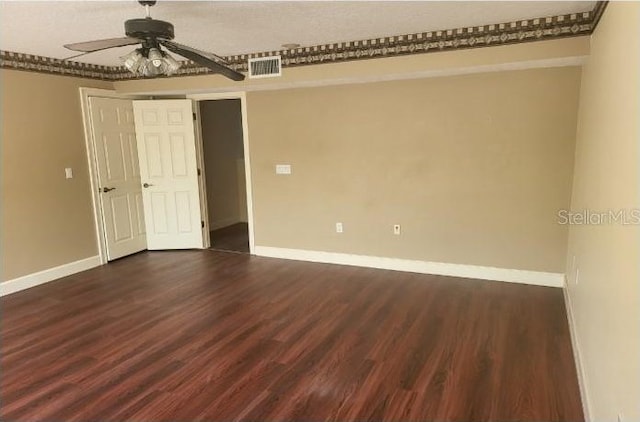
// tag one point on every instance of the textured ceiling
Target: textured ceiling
(237, 27)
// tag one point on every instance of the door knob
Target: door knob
(146, 185)
(105, 190)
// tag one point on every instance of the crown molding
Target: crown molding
(522, 31)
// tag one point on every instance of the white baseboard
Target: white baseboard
(537, 278)
(575, 345)
(224, 223)
(41, 277)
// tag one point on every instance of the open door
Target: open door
(169, 173)
(118, 176)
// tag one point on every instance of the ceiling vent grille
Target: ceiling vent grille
(265, 67)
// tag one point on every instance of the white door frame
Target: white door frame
(85, 95)
(241, 95)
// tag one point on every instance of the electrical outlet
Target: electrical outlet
(283, 168)
(339, 228)
(396, 229)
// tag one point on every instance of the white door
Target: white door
(118, 176)
(169, 173)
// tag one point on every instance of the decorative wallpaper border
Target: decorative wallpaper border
(570, 25)
(33, 63)
(528, 30)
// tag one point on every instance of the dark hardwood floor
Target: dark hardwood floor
(205, 335)
(234, 238)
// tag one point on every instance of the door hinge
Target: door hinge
(199, 172)
(194, 116)
(202, 224)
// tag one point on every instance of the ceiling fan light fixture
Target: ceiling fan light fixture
(150, 62)
(155, 56)
(134, 60)
(171, 64)
(148, 69)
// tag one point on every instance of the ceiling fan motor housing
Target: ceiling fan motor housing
(149, 29)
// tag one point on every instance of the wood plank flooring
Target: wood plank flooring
(233, 238)
(205, 335)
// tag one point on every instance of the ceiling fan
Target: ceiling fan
(150, 59)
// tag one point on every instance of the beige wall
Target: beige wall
(42, 126)
(606, 299)
(473, 167)
(223, 155)
(47, 220)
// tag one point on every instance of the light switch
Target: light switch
(283, 168)
(68, 173)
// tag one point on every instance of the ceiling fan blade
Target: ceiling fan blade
(97, 45)
(203, 58)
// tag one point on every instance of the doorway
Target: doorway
(176, 146)
(224, 170)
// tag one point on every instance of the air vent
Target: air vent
(265, 67)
